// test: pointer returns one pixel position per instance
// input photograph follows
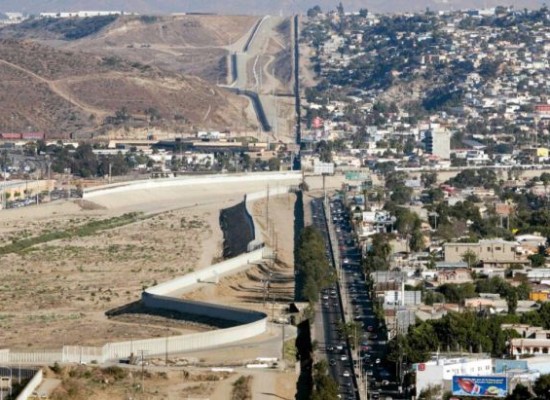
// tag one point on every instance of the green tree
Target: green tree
(417, 242)
(324, 386)
(432, 392)
(312, 264)
(512, 301)
(520, 392)
(458, 293)
(274, 164)
(537, 260)
(428, 178)
(314, 11)
(470, 258)
(542, 387)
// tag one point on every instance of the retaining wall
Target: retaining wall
(31, 386)
(178, 286)
(184, 343)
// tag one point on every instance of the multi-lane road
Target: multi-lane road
(328, 320)
(350, 301)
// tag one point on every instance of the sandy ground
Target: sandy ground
(248, 289)
(66, 286)
(58, 292)
(94, 383)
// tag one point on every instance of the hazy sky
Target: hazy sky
(250, 6)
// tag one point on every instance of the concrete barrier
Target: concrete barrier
(187, 180)
(31, 386)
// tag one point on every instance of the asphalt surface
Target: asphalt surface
(333, 345)
(357, 306)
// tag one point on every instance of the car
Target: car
(374, 337)
(343, 357)
(370, 328)
(329, 348)
(377, 361)
(384, 374)
(346, 374)
(332, 362)
(385, 382)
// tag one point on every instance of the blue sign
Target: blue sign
(503, 366)
(480, 386)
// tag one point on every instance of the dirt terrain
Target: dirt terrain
(62, 92)
(249, 289)
(189, 44)
(95, 383)
(57, 293)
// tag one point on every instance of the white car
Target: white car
(343, 357)
(346, 374)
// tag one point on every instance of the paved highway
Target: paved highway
(328, 319)
(372, 338)
(357, 306)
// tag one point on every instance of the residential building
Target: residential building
(491, 253)
(440, 371)
(438, 142)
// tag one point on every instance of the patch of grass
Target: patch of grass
(289, 348)
(87, 229)
(242, 389)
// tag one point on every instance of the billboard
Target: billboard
(480, 386)
(320, 168)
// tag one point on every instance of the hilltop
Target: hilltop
(187, 44)
(64, 92)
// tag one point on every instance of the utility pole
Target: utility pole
(166, 352)
(142, 373)
(110, 171)
(283, 343)
(267, 210)
(49, 179)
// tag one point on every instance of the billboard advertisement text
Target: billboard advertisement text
(480, 386)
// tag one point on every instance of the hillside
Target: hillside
(63, 92)
(187, 44)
